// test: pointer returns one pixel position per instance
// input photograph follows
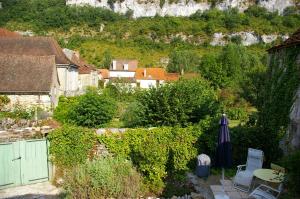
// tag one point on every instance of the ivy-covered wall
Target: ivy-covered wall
(282, 83)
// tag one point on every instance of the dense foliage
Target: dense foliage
(53, 14)
(281, 86)
(4, 100)
(91, 109)
(230, 67)
(71, 145)
(181, 61)
(103, 178)
(100, 34)
(292, 163)
(181, 103)
(156, 152)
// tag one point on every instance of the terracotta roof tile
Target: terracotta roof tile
(6, 33)
(104, 73)
(150, 74)
(33, 46)
(21, 73)
(172, 76)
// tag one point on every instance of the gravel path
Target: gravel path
(42, 190)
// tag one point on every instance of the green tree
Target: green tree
(181, 103)
(93, 110)
(106, 60)
(183, 61)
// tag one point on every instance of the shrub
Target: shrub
(70, 145)
(103, 178)
(237, 113)
(156, 151)
(181, 103)
(64, 108)
(244, 137)
(291, 163)
(93, 110)
(20, 112)
(90, 109)
(256, 11)
(4, 100)
(134, 114)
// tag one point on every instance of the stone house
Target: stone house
(153, 77)
(282, 59)
(45, 46)
(123, 68)
(87, 73)
(29, 80)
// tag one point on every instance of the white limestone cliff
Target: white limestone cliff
(150, 8)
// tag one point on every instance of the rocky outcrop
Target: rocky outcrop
(247, 38)
(150, 8)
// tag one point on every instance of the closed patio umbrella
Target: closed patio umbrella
(224, 152)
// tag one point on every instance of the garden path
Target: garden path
(42, 190)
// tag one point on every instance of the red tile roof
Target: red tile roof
(6, 33)
(104, 73)
(83, 67)
(150, 74)
(155, 74)
(292, 41)
(172, 76)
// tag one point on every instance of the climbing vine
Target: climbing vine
(281, 86)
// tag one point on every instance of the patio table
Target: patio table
(269, 175)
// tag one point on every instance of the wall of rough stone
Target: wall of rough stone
(293, 134)
(30, 100)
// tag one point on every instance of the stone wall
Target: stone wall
(293, 134)
(30, 100)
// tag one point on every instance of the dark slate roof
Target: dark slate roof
(292, 41)
(33, 46)
(21, 73)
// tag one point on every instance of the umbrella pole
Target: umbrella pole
(223, 173)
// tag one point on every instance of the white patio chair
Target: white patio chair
(244, 174)
(265, 192)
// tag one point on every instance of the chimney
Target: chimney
(114, 65)
(145, 72)
(125, 66)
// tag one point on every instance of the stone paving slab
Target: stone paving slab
(42, 190)
(227, 188)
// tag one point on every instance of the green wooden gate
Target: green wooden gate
(23, 162)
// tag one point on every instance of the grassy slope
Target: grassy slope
(95, 30)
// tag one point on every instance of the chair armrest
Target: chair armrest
(239, 167)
